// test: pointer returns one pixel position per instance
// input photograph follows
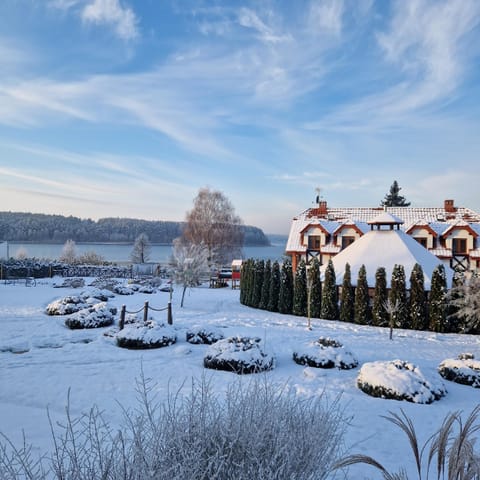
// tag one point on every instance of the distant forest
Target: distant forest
(41, 228)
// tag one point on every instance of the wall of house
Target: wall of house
(423, 232)
(346, 232)
(460, 233)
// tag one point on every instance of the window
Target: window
(459, 245)
(346, 241)
(314, 242)
(421, 241)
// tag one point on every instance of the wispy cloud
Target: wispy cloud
(111, 12)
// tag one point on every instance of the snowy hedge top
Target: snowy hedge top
(147, 333)
(402, 379)
(240, 349)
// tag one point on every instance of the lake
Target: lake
(121, 252)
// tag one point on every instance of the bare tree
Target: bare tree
(91, 258)
(391, 308)
(69, 252)
(213, 223)
(21, 254)
(188, 263)
(141, 249)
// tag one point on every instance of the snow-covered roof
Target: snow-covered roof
(386, 218)
(385, 248)
(475, 253)
(330, 248)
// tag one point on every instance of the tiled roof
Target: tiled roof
(475, 253)
(442, 252)
(330, 248)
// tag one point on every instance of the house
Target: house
(386, 245)
(450, 233)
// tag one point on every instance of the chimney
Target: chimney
(449, 206)
(322, 207)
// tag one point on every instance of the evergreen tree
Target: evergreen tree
(244, 284)
(393, 198)
(398, 294)
(300, 290)
(347, 297)
(249, 274)
(362, 308)
(315, 289)
(418, 301)
(438, 300)
(329, 294)
(285, 298)
(267, 274)
(274, 288)
(379, 314)
(258, 283)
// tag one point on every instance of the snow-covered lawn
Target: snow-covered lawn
(41, 359)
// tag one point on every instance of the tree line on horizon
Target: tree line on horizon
(37, 227)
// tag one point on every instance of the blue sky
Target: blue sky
(126, 108)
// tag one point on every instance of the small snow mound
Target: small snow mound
(464, 370)
(398, 380)
(70, 283)
(66, 305)
(241, 355)
(101, 295)
(146, 335)
(121, 290)
(203, 335)
(96, 316)
(325, 353)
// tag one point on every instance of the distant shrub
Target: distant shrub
(464, 370)
(145, 336)
(238, 354)
(203, 335)
(325, 353)
(96, 316)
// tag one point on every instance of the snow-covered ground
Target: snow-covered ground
(41, 359)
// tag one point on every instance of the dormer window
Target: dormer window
(346, 241)
(422, 241)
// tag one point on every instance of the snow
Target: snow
(89, 363)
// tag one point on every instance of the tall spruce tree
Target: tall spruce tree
(393, 198)
(251, 283)
(315, 289)
(362, 307)
(438, 300)
(398, 294)
(329, 294)
(244, 282)
(258, 283)
(418, 300)
(267, 274)
(347, 297)
(274, 288)
(379, 314)
(300, 290)
(285, 298)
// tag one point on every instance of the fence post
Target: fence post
(121, 324)
(169, 313)
(145, 312)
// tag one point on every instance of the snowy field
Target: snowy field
(40, 360)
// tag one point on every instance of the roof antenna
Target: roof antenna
(318, 197)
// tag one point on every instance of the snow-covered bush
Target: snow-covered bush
(238, 354)
(99, 315)
(465, 370)
(146, 335)
(122, 290)
(325, 353)
(98, 294)
(398, 380)
(252, 431)
(66, 305)
(70, 283)
(204, 335)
